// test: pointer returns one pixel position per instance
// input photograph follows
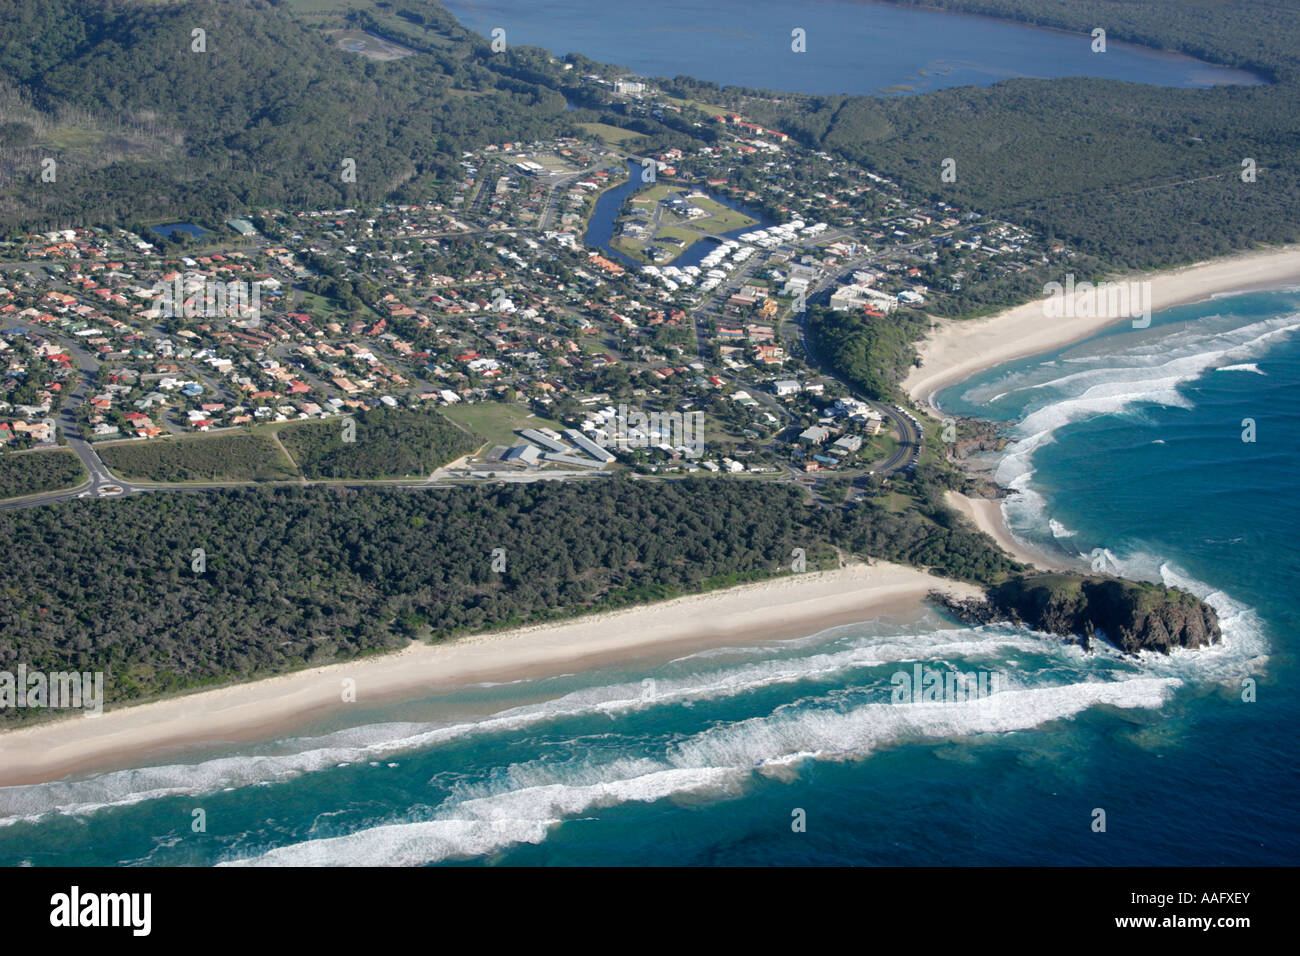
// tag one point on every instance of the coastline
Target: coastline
(782, 608)
(957, 350)
(986, 515)
(954, 351)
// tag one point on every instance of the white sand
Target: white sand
(957, 350)
(986, 514)
(788, 607)
(954, 350)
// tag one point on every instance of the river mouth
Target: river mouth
(832, 47)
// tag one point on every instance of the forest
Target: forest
(380, 443)
(144, 126)
(296, 576)
(30, 473)
(241, 456)
(873, 354)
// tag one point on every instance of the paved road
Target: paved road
(101, 479)
(909, 431)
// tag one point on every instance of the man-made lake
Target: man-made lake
(600, 228)
(194, 231)
(852, 46)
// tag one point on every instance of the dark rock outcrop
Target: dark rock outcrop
(1133, 615)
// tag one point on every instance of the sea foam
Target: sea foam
(529, 800)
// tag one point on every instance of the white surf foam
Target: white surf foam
(531, 799)
(1147, 374)
(1243, 367)
(378, 741)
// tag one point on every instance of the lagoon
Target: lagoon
(851, 46)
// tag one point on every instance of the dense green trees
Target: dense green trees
(310, 575)
(30, 473)
(385, 443)
(264, 116)
(872, 354)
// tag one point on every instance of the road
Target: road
(910, 436)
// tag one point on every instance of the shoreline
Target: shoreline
(986, 515)
(782, 608)
(958, 350)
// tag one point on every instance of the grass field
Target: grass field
(496, 422)
(631, 248)
(678, 232)
(384, 444)
(721, 218)
(700, 105)
(657, 192)
(319, 307)
(878, 449)
(610, 135)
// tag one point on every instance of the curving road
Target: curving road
(910, 435)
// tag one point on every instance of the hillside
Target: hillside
(143, 126)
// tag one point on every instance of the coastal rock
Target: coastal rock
(1133, 615)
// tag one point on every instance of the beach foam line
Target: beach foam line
(719, 762)
(776, 609)
(485, 826)
(380, 741)
(1115, 385)
(961, 350)
(1243, 367)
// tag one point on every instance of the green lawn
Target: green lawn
(721, 218)
(610, 135)
(496, 422)
(322, 309)
(878, 449)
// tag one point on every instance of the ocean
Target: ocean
(1128, 450)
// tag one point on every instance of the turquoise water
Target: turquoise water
(1130, 448)
(852, 46)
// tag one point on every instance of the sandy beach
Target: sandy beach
(787, 607)
(986, 514)
(954, 351)
(957, 350)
